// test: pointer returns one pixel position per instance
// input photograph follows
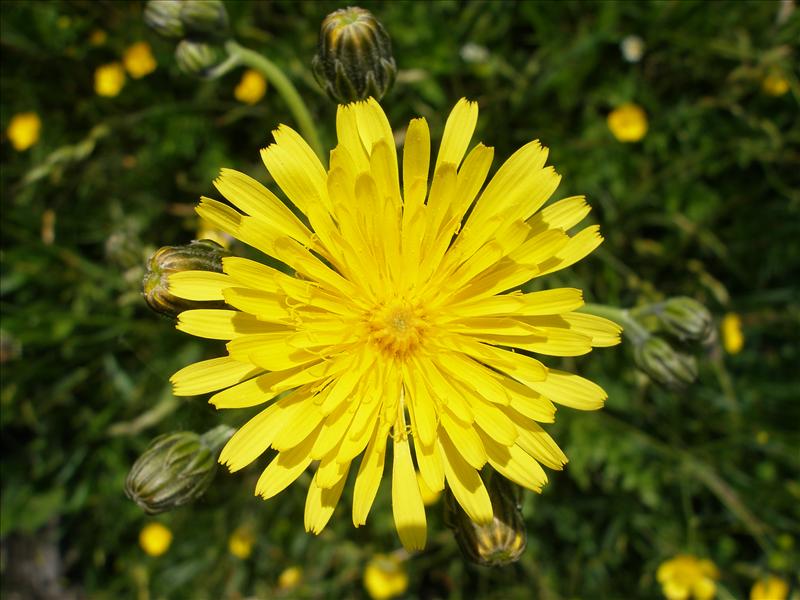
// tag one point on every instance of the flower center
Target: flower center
(397, 328)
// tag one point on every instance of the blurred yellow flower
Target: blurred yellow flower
(98, 37)
(155, 539)
(685, 576)
(732, 337)
(23, 130)
(290, 577)
(770, 588)
(139, 60)
(109, 79)
(628, 122)
(251, 88)
(429, 497)
(385, 577)
(775, 84)
(241, 542)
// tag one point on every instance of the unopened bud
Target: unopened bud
(164, 17)
(199, 255)
(205, 17)
(198, 58)
(498, 543)
(664, 365)
(176, 469)
(354, 57)
(686, 319)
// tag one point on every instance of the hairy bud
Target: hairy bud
(354, 57)
(664, 365)
(686, 319)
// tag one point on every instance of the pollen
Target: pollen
(397, 328)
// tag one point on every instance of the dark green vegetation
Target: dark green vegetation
(707, 205)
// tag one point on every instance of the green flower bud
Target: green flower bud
(176, 469)
(204, 17)
(494, 544)
(164, 17)
(686, 319)
(354, 57)
(659, 360)
(202, 255)
(198, 58)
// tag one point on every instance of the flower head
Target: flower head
(109, 79)
(290, 577)
(775, 84)
(155, 539)
(732, 336)
(139, 60)
(628, 123)
(241, 542)
(251, 88)
(770, 588)
(402, 322)
(385, 577)
(685, 576)
(23, 130)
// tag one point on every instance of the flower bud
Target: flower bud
(164, 17)
(494, 544)
(204, 17)
(199, 255)
(198, 58)
(659, 360)
(686, 319)
(354, 57)
(176, 469)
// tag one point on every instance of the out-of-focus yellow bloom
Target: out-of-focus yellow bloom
(290, 577)
(139, 60)
(98, 37)
(770, 588)
(775, 84)
(155, 539)
(241, 542)
(109, 79)
(385, 577)
(686, 576)
(628, 122)
(732, 336)
(429, 497)
(23, 130)
(251, 88)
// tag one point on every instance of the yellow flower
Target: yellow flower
(429, 497)
(770, 588)
(290, 577)
(628, 122)
(385, 577)
(139, 60)
(686, 576)
(98, 37)
(109, 79)
(732, 337)
(23, 130)
(251, 88)
(396, 328)
(241, 542)
(775, 84)
(155, 539)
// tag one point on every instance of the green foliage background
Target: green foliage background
(707, 205)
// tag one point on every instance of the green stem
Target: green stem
(285, 88)
(622, 316)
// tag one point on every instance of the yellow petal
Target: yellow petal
(284, 469)
(254, 391)
(269, 306)
(570, 390)
(458, 132)
(515, 464)
(321, 502)
(198, 285)
(210, 375)
(579, 246)
(466, 440)
(546, 302)
(471, 176)
(563, 214)
(217, 324)
(407, 506)
(465, 483)
(369, 475)
(431, 467)
(416, 162)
